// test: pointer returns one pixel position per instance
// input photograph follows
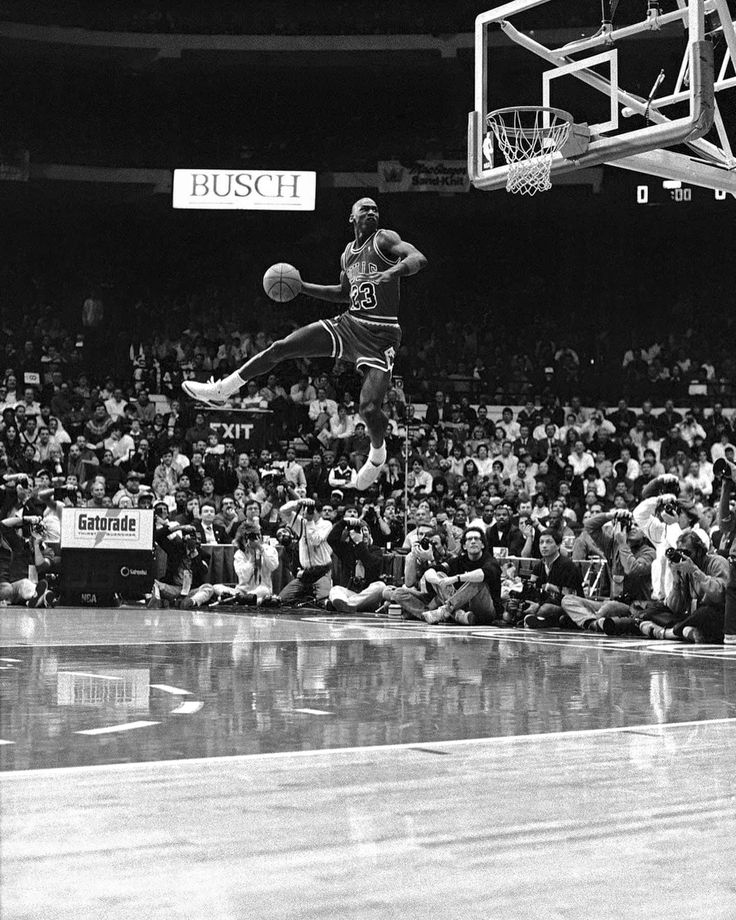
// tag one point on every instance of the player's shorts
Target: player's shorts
(364, 342)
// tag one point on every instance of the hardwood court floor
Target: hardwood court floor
(186, 765)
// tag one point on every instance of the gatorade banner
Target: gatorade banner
(107, 528)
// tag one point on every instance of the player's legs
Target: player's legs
(375, 386)
(312, 341)
(372, 393)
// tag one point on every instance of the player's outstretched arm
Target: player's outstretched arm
(334, 293)
(411, 260)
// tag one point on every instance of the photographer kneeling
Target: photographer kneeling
(351, 543)
(185, 581)
(630, 556)
(314, 577)
(18, 525)
(693, 609)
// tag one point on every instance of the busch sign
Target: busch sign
(251, 190)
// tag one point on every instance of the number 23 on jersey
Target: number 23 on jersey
(363, 296)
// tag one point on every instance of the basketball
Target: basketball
(282, 282)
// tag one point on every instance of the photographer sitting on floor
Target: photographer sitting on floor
(185, 582)
(428, 552)
(694, 607)
(662, 517)
(469, 592)
(255, 562)
(630, 556)
(552, 577)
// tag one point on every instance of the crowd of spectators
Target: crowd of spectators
(553, 480)
(283, 18)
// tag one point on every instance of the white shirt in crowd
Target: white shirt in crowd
(319, 407)
(115, 408)
(581, 462)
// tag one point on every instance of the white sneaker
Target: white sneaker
(368, 474)
(209, 393)
(466, 617)
(437, 615)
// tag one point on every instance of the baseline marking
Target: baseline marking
(20, 775)
(187, 708)
(109, 729)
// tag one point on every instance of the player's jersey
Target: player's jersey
(370, 303)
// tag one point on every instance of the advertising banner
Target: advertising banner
(107, 528)
(423, 176)
(248, 190)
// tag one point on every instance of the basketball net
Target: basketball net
(528, 137)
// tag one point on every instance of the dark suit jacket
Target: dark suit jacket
(512, 538)
(220, 533)
(434, 415)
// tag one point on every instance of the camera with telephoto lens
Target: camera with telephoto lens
(670, 507)
(675, 555)
(425, 544)
(191, 541)
(355, 527)
(31, 527)
(529, 591)
(624, 519)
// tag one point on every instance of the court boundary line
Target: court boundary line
(573, 734)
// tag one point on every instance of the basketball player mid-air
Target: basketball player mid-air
(367, 334)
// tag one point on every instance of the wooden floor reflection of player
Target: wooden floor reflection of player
(368, 334)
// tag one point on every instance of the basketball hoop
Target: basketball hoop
(529, 136)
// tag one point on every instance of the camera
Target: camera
(32, 527)
(669, 507)
(675, 555)
(624, 519)
(425, 544)
(272, 476)
(190, 541)
(355, 527)
(285, 536)
(253, 535)
(370, 515)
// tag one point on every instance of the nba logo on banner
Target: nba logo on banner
(251, 190)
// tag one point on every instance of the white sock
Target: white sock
(377, 455)
(232, 384)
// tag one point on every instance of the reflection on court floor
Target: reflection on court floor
(91, 687)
